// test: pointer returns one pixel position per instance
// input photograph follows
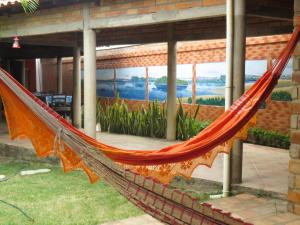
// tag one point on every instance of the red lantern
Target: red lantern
(16, 43)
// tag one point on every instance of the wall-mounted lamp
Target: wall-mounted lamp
(16, 43)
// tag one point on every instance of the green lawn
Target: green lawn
(57, 198)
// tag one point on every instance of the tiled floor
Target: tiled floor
(263, 168)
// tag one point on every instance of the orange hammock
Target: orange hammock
(131, 172)
(181, 158)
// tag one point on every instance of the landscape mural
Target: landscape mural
(285, 81)
(210, 81)
(211, 77)
(254, 69)
(131, 83)
(105, 82)
(158, 82)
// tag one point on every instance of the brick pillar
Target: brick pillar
(294, 164)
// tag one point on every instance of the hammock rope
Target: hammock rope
(140, 175)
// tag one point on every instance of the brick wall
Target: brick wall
(294, 164)
(276, 116)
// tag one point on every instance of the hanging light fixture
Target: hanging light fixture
(16, 43)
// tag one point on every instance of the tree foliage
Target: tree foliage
(30, 6)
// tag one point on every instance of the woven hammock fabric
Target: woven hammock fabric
(131, 172)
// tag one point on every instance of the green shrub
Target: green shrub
(218, 101)
(152, 122)
(281, 96)
(187, 125)
(117, 118)
(268, 138)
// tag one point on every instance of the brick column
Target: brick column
(294, 164)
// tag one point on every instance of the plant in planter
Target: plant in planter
(268, 138)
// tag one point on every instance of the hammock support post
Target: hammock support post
(228, 90)
(238, 82)
(59, 76)
(171, 97)
(76, 88)
(89, 49)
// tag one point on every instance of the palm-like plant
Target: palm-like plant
(29, 6)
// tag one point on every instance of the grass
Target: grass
(58, 198)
